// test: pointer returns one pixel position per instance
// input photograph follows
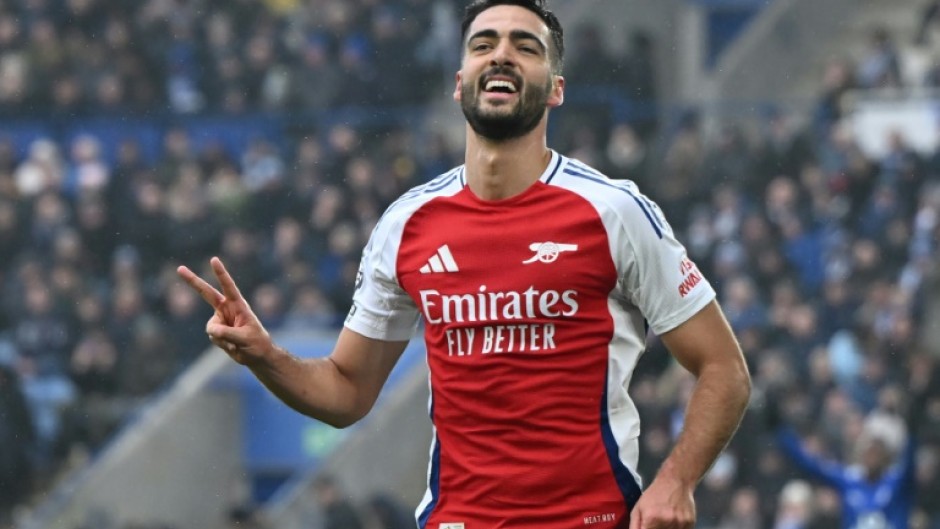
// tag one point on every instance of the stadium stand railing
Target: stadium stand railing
(216, 439)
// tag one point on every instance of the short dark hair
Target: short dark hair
(536, 6)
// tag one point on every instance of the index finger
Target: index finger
(212, 296)
(225, 280)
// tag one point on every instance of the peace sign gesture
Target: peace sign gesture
(234, 328)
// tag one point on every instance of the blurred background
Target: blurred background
(793, 145)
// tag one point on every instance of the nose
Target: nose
(503, 54)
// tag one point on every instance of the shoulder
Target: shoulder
(398, 213)
(446, 184)
(616, 200)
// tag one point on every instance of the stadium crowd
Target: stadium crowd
(92, 319)
(824, 258)
(108, 57)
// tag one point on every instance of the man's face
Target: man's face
(506, 83)
(876, 458)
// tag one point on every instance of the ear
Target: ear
(557, 96)
(458, 79)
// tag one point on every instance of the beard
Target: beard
(500, 124)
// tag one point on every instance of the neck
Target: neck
(503, 169)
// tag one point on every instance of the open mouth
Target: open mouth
(500, 86)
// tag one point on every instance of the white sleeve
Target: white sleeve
(381, 309)
(657, 275)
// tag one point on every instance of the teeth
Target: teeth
(501, 84)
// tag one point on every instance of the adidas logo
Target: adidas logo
(442, 261)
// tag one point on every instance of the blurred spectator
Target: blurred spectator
(683, 160)
(42, 332)
(729, 163)
(99, 409)
(828, 509)
(16, 436)
(744, 511)
(86, 173)
(12, 234)
(96, 234)
(597, 72)
(796, 506)
(148, 362)
(802, 245)
(743, 307)
(337, 268)
(270, 305)
(315, 79)
(639, 78)
(310, 310)
(94, 363)
(49, 396)
(879, 491)
(358, 76)
(396, 64)
(838, 80)
(336, 510)
(929, 15)
(602, 66)
(628, 155)
(384, 512)
(178, 149)
(592, 66)
(263, 174)
(770, 479)
(192, 232)
(928, 486)
(42, 170)
(880, 66)
(180, 61)
(185, 317)
(714, 494)
(783, 148)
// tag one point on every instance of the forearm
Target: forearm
(338, 390)
(714, 412)
(315, 387)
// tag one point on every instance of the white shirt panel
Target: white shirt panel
(381, 309)
(648, 257)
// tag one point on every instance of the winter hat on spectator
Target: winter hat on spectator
(884, 427)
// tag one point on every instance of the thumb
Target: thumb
(224, 332)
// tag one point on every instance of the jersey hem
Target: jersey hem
(691, 310)
(376, 332)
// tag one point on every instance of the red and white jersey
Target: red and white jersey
(535, 312)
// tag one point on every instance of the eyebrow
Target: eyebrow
(516, 34)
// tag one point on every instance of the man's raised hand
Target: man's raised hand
(234, 328)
